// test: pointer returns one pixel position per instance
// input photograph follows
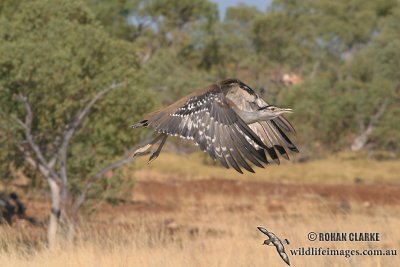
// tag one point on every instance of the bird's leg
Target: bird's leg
(157, 152)
(146, 147)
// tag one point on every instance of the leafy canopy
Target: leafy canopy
(57, 54)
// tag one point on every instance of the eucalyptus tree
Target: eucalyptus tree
(347, 52)
(68, 92)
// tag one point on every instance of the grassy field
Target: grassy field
(188, 214)
(227, 240)
(341, 168)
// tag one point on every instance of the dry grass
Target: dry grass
(176, 220)
(337, 169)
(227, 240)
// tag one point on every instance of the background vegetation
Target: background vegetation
(336, 63)
(346, 54)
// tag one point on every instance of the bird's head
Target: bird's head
(270, 111)
(267, 242)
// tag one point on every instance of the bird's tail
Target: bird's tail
(142, 123)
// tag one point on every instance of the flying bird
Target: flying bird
(229, 121)
(275, 241)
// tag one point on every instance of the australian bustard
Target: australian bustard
(229, 121)
(273, 240)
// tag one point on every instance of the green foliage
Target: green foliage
(59, 56)
(353, 47)
(114, 17)
(166, 39)
(167, 74)
(345, 51)
(178, 13)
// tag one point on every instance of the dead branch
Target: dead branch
(101, 174)
(27, 126)
(360, 141)
(72, 126)
(32, 162)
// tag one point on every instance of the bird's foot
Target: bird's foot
(153, 157)
(140, 150)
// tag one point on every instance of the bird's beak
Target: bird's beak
(286, 110)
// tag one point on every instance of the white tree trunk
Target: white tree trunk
(55, 213)
(361, 140)
(58, 182)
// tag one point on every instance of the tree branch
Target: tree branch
(101, 174)
(72, 126)
(34, 164)
(380, 111)
(45, 167)
(360, 141)
(27, 126)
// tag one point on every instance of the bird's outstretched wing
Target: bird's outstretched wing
(208, 120)
(263, 230)
(274, 139)
(284, 256)
(280, 248)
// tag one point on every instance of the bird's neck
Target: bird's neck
(253, 116)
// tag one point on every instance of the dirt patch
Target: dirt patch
(164, 192)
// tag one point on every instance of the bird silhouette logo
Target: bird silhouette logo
(277, 242)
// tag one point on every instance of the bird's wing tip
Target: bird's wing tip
(262, 229)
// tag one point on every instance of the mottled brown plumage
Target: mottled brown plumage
(229, 121)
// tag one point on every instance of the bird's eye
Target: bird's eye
(273, 109)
